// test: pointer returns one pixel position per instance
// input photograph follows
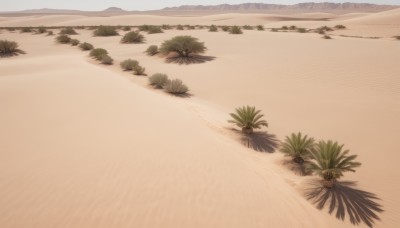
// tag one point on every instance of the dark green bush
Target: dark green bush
(213, 28)
(86, 46)
(68, 31)
(184, 46)
(152, 50)
(158, 80)
(129, 64)
(132, 37)
(235, 30)
(74, 42)
(63, 39)
(105, 31)
(106, 60)
(176, 87)
(97, 53)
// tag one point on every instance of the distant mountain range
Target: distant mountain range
(243, 8)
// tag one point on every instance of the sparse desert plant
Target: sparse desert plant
(8, 48)
(330, 161)
(165, 27)
(225, 28)
(285, 27)
(144, 28)
(397, 37)
(213, 28)
(50, 33)
(41, 30)
(132, 37)
(106, 60)
(292, 27)
(340, 27)
(190, 27)
(68, 31)
(248, 27)
(260, 28)
(320, 31)
(298, 147)
(105, 31)
(129, 64)
(63, 39)
(184, 46)
(176, 87)
(11, 29)
(327, 37)
(139, 70)
(179, 27)
(26, 29)
(158, 80)
(97, 53)
(154, 29)
(74, 42)
(248, 118)
(86, 46)
(274, 30)
(235, 30)
(152, 50)
(302, 30)
(126, 28)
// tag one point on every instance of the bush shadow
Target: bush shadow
(192, 59)
(360, 206)
(259, 141)
(15, 53)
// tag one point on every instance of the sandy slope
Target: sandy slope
(91, 146)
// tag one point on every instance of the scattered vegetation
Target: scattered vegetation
(248, 27)
(138, 70)
(129, 64)
(158, 80)
(285, 27)
(179, 27)
(298, 147)
(132, 37)
(213, 28)
(105, 31)
(225, 28)
(152, 50)
(97, 53)
(86, 46)
(248, 118)
(302, 30)
(397, 37)
(330, 162)
(340, 27)
(175, 87)
(166, 27)
(68, 31)
(9, 48)
(74, 42)
(292, 27)
(184, 46)
(126, 28)
(106, 60)
(63, 39)
(235, 30)
(26, 30)
(154, 29)
(41, 30)
(260, 28)
(50, 33)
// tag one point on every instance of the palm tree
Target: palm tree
(331, 162)
(248, 118)
(298, 147)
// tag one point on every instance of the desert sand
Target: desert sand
(88, 145)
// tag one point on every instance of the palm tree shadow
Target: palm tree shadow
(361, 206)
(192, 59)
(259, 141)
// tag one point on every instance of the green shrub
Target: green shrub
(8, 47)
(63, 39)
(340, 27)
(68, 31)
(247, 27)
(158, 80)
(138, 70)
(50, 33)
(97, 53)
(213, 28)
(179, 27)
(154, 29)
(132, 37)
(86, 46)
(235, 30)
(183, 46)
(152, 50)
(302, 30)
(176, 87)
(129, 64)
(106, 60)
(260, 28)
(105, 31)
(74, 42)
(144, 28)
(126, 28)
(225, 28)
(26, 29)
(41, 30)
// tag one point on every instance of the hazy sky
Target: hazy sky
(9, 5)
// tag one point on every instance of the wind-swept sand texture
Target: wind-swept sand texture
(84, 145)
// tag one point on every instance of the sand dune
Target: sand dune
(84, 145)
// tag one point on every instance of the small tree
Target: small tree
(184, 46)
(152, 50)
(158, 80)
(176, 87)
(129, 64)
(330, 162)
(298, 147)
(132, 37)
(86, 46)
(97, 53)
(105, 31)
(63, 39)
(235, 30)
(213, 28)
(248, 118)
